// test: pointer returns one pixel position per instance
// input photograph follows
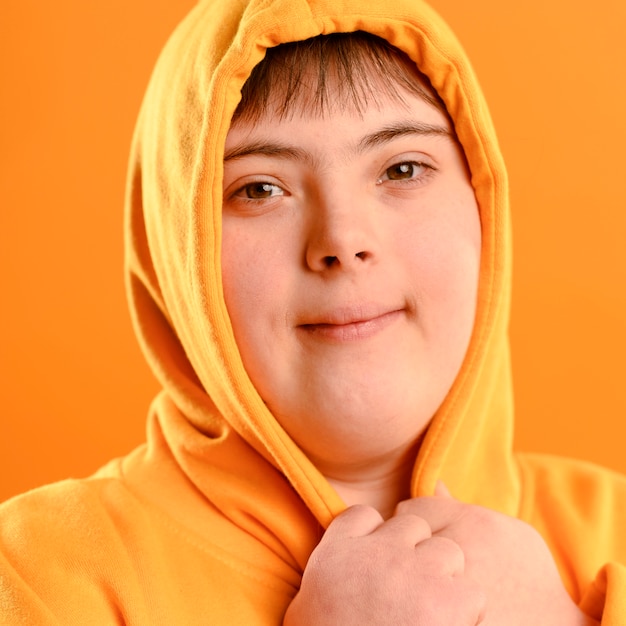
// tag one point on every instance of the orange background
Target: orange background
(74, 387)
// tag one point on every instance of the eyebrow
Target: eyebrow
(384, 135)
(266, 148)
(402, 129)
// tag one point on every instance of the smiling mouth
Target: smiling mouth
(345, 326)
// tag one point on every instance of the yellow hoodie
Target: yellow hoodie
(213, 519)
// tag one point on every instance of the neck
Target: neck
(381, 484)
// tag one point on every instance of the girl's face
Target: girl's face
(351, 251)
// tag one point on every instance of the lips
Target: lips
(352, 323)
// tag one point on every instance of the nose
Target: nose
(341, 237)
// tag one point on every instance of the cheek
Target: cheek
(444, 247)
(460, 237)
(256, 287)
(458, 274)
(236, 266)
(243, 277)
(257, 294)
(445, 253)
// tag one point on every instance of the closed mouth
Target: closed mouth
(352, 323)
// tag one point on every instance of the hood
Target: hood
(173, 234)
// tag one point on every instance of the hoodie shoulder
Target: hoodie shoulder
(580, 509)
(94, 552)
(57, 543)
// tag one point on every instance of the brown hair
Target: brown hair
(340, 69)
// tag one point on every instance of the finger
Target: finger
(441, 557)
(403, 529)
(355, 521)
(438, 512)
(441, 490)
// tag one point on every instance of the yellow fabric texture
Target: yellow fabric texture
(212, 521)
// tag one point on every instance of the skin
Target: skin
(351, 248)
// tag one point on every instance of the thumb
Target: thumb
(356, 521)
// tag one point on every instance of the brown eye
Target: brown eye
(403, 171)
(260, 191)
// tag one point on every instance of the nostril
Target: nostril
(330, 261)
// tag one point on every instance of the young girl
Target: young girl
(319, 270)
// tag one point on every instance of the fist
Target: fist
(369, 571)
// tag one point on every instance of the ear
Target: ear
(441, 490)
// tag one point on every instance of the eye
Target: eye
(407, 170)
(259, 191)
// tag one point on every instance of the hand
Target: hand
(506, 557)
(368, 571)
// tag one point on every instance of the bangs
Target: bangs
(331, 72)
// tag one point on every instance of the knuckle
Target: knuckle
(442, 556)
(414, 526)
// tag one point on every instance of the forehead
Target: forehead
(341, 132)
